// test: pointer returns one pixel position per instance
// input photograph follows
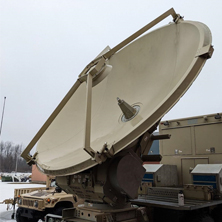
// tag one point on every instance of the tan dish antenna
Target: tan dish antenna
(120, 95)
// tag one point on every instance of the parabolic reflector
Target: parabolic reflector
(151, 73)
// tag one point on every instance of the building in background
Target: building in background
(37, 176)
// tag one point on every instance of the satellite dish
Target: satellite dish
(121, 95)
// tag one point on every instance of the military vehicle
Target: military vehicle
(35, 203)
(191, 163)
(96, 138)
(194, 140)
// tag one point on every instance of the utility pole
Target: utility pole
(2, 115)
(16, 164)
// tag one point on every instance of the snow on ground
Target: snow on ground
(6, 192)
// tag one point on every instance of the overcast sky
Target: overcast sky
(45, 44)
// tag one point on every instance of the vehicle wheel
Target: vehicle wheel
(217, 214)
(20, 218)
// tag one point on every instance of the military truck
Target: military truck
(191, 163)
(35, 203)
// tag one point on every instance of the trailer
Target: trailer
(195, 150)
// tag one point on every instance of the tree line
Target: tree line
(10, 159)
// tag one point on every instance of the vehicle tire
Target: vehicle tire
(20, 218)
(217, 214)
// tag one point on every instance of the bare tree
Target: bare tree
(10, 158)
